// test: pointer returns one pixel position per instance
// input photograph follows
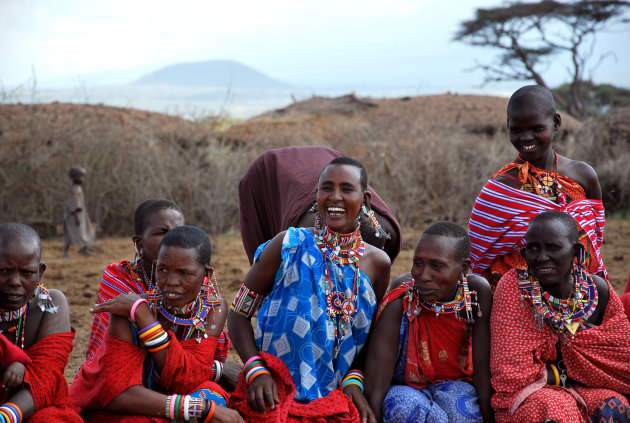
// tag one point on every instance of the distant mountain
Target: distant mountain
(211, 73)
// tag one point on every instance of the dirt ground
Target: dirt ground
(79, 277)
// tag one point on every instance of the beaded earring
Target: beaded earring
(379, 230)
(152, 282)
(211, 288)
(313, 209)
(138, 255)
(578, 272)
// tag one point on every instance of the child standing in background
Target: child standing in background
(77, 229)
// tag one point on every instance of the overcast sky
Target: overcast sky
(316, 43)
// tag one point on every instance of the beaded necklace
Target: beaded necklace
(197, 310)
(546, 184)
(139, 274)
(11, 315)
(464, 299)
(43, 301)
(567, 317)
(339, 309)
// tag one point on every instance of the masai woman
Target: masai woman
(560, 340)
(35, 334)
(317, 289)
(431, 341)
(156, 364)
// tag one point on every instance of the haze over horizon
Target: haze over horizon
(371, 47)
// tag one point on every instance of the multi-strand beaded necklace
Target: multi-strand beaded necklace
(339, 309)
(464, 299)
(546, 184)
(43, 301)
(197, 310)
(139, 274)
(568, 316)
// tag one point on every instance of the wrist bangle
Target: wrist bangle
(148, 328)
(135, 305)
(555, 373)
(217, 369)
(210, 411)
(256, 357)
(353, 382)
(16, 409)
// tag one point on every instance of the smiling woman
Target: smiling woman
(560, 338)
(317, 289)
(538, 180)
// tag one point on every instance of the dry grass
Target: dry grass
(427, 157)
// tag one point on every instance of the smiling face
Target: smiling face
(157, 225)
(179, 275)
(531, 130)
(20, 270)
(437, 267)
(549, 253)
(339, 197)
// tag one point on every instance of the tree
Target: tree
(530, 35)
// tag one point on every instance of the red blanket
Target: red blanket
(336, 407)
(46, 380)
(501, 216)
(598, 358)
(279, 186)
(438, 348)
(11, 353)
(118, 366)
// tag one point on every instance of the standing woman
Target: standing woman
(317, 289)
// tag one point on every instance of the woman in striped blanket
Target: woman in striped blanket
(538, 180)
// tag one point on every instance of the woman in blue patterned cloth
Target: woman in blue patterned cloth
(317, 289)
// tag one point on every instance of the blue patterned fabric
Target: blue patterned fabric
(209, 394)
(443, 402)
(292, 322)
(611, 410)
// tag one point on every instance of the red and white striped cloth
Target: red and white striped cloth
(501, 216)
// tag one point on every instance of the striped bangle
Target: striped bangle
(246, 302)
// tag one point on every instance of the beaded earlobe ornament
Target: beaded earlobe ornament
(211, 289)
(313, 209)
(379, 230)
(152, 282)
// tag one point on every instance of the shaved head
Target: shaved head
(19, 232)
(563, 218)
(534, 97)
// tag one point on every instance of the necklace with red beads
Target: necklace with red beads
(464, 299)
(340, 308)
(566, 316)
